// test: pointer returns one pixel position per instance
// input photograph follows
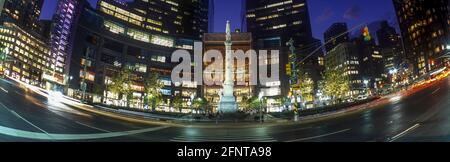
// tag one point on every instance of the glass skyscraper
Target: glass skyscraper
(62, 35)
(170, 17)
(273, 23)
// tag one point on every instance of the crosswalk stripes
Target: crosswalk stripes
(228, 138)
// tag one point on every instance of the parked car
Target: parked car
(362, 97)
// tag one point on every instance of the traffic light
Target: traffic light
(3, 57)
(289, 69)
(296, 106)
(3, 53)
(366, 34)
(2, 60)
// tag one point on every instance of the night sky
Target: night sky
(322, 12)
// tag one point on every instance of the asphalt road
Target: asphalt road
(423, 116)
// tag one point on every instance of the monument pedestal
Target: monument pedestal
(228, 104)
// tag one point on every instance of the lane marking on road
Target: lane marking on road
(64, 137)
(319, 136)
(436, 90)
(22, 118)
(4, 90)
(404, 133)
(223, 139)
(292, 130)
(89, 126)
(19, 93)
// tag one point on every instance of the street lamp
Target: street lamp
(260, 96)
(202, 106)
(3, 57)
(192, 97)
(393, 71)
(191, 103)
(447, 55)
(366, 82)
(85, 74)
(150, 100)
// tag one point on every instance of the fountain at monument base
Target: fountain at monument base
(228, 104)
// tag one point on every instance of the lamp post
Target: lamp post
(2, 54)
(393, 73)
(293, 102)
(192, 101)
(260, 96)
(150, 101)
(83, 82)
(106, 90)
(293, 74)
(190, 104)
(3, 58)
(366, 83)
(200, 100)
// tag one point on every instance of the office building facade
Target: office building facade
(371, 60)
(273, 24)
(27, 51)
(273, 19)
(345, 56)
(425, 29)
(120, 36)
(24, 13)
(62, 36)
(28, 55)
(176, 17)
(391, 47)
(335, 35)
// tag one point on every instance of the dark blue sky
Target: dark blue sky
(50, 6)
(322, 12)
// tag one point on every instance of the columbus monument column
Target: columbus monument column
(227, 102)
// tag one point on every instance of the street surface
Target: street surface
(422, 116)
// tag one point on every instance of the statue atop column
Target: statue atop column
(227, 102)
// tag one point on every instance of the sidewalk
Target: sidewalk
(269, 118)
(185, 118)
(369, 105)
(136, 113)
(151, 118)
